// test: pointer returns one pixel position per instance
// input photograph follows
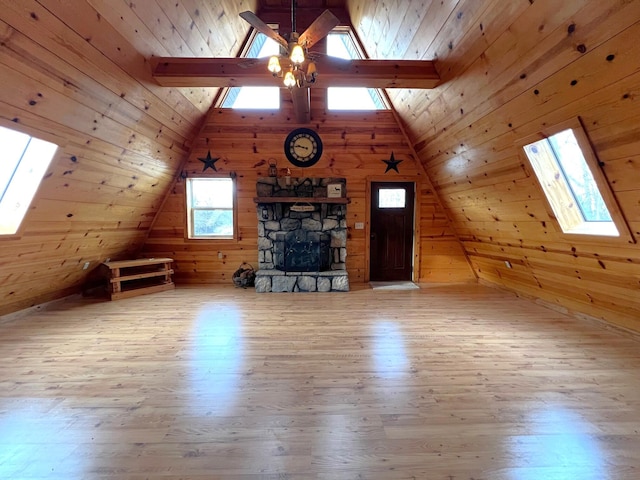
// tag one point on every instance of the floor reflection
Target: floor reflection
(561, 446)
(389, 353)
(217, 356)
(36, 444)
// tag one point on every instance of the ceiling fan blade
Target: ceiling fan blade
(262, 27)
(319, 29)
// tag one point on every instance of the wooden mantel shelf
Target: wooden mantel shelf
(339, 200)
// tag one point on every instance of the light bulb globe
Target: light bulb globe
(274, 65)
(297, 55)
(289, 80)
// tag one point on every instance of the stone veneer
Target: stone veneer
(278, 217)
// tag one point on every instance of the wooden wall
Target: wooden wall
(354, 146)
(510, 69)
(76, 73)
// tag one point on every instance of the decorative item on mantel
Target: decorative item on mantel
(334, 190)
(302, 235)
(273, 167)
(301, 187)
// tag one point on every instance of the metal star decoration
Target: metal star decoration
(209, 162)
(392, 163)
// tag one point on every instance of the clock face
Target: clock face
(303, 147)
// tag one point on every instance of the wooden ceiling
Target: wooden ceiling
(214, 29)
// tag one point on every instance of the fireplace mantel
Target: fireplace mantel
(338, 200)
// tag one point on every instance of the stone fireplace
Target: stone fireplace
(302, 235)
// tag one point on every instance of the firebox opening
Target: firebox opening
(302, 251)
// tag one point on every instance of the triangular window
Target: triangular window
(341, 45)
(255, 97)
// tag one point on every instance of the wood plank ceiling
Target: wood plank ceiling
(77, 72)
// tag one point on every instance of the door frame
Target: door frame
(417, 182)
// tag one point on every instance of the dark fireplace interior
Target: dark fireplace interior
(302, 251)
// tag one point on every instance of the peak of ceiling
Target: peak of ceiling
(278, 10)
(273, 4)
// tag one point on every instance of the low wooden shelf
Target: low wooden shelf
(129, 278)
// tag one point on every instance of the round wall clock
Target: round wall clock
(303, 147)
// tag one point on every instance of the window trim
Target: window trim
(188, 217)
(599, 177)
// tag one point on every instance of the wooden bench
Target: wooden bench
(129, 278)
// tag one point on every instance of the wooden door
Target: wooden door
(391, 245)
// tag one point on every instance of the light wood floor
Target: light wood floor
(452, 382)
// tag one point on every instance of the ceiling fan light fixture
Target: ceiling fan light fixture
(300, 70)
(297, 55)
(274, 65)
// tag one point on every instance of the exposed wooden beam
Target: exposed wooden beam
(332, 72)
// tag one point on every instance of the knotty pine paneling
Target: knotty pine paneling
(536, 64)
(354, 146)
(76, 74)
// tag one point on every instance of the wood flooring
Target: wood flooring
(446, 382)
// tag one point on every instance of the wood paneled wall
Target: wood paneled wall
(76, 73)
(509, 70)
(355, 145)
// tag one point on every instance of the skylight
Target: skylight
(25, 159)
(256, 97)
(570, 186)
(341, 45)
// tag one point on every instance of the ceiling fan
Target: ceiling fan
(295, 49)
(298, 69)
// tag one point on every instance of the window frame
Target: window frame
(599, 177)
(39, 135)
(189, 211)
(359, 50)
(245, 51)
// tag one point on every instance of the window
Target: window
(575, 188)
(341, 45)
(24, 161)
(256, 97)
(210, 208)
(392, 198)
